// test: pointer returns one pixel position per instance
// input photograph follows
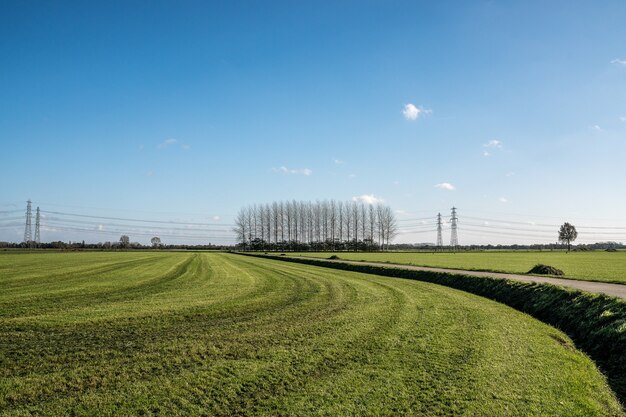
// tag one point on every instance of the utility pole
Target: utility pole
(454, 239)
(439, 237)
(37, 223)
(28, 233)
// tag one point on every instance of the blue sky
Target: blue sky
(185, 111)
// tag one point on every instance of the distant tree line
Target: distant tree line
(431, 247)
(321, 225)
(76, 246)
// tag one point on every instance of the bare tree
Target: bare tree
(275, 220)
(296, 219)
(389, 224)
(348, 220)
(241, 227)
(372, 221)
(333, 220)
(363, 220)
(325, 222)
(340, 220)
(381, 226)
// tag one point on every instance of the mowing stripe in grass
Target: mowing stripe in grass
(234, 335)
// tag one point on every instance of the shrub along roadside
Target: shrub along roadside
(595, 322)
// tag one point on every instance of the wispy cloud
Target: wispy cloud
(493, 144)
(617, 61)
(185, 147)
(412, 112)
(510, 174)
(503, 200)
(150, 174)
(596, 128)
(622, 118)
(216, 218)
(166, 143)
(290, 171)
(445, 186)
(486, 153)
(338, 162)
(367, 199)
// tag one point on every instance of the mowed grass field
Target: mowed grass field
(221, 334)
(590, 266)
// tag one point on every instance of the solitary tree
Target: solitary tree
(124, 241)
(567, 234)
(156, 242)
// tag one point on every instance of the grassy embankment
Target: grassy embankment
(220, 334)
(590, 266)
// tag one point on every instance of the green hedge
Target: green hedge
(596, 323)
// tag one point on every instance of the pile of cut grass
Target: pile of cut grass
(542, 269)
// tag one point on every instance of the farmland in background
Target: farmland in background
(590, 266)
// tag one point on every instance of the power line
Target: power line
(416, 219)
(54, 228)
(137, 220)
(6, 219)
(150, 227)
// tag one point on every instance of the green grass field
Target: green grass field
(220, 334)
(590, 266)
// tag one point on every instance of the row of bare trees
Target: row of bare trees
(319, 225)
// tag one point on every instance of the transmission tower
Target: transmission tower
(37, 222)
(454, 238)
(28, 233)
(439, 238)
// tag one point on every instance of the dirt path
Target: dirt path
(615, 290)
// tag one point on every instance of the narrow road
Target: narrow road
(615, 290)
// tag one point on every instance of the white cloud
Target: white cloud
(510, 174)
(338, 161)
(503, 200)
(412, 112)
(166, 143)
(367, 199)
(445, 186)
(352, 176)
(185, 147)
(596, 128)
(100, 227)
(622, 118)
(290, 171)
(485, 153)
(495, 144)
(216, 218)
(619, 62)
